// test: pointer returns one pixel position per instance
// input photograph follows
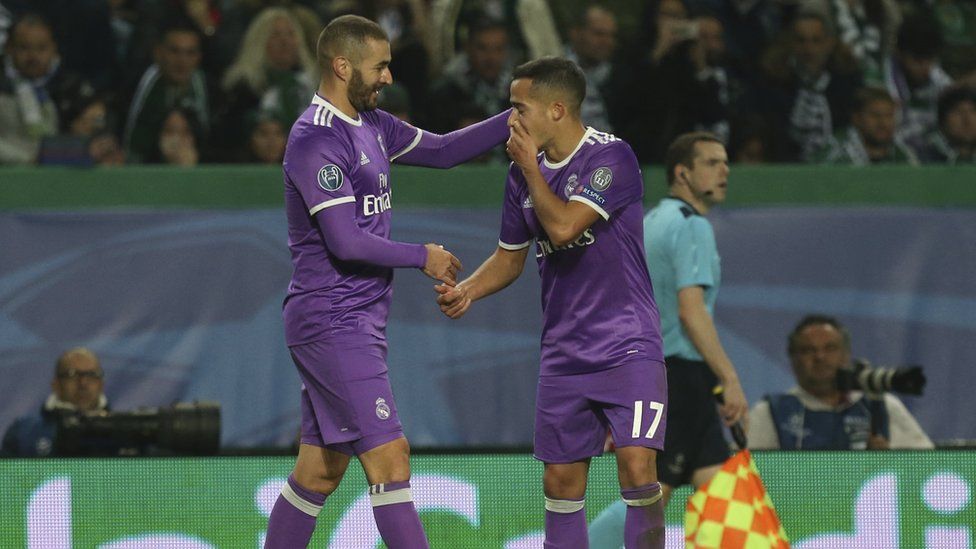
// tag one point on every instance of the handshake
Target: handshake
(442, 265)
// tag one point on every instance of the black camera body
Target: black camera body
(862, 376)
(184, 428)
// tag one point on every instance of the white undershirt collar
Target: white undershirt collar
(589, 131)
(319, 100)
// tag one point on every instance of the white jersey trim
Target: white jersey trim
(321, 101)
(410, 147)
(513, 247)
(586, 135)
(329, 203)
(603, 213)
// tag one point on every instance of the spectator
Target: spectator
(954, 141)
(84, 113)
(178, 140)
(273, 72)
(958, 23)
(811, 81)
(77, 386)
(175, 80)
(239, 14)
(82, 30)
(915, 78)
(867, 28)
(395, 99)
(479, 76)
(750, 141)
(871, 138)
(593, 41)
(817, 415)
(30, 84)
(266, 139)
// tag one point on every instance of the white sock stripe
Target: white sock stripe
(564, 506)
(643, 502)
(380, 498)
(299, 502)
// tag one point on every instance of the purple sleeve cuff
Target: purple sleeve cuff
(457, 147)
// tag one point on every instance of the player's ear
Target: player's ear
(341, 68)
(557, 110)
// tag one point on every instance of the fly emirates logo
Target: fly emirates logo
(545, 247)
(375, 204)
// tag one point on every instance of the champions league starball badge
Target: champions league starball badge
(330, 178)
(382, 410)
(601, 179)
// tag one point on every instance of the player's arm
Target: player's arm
(346, 241)
(498, 271)
(563, 221)
(446, 151)
(698, 324)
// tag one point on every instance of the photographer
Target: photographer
(77, 386)
(820, 414)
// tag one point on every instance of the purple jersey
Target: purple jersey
(597, 301)
(330, 160)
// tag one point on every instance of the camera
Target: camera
(862, 376)
(184, 428)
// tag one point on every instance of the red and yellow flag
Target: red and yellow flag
(733, 511)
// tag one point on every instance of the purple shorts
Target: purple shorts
(347, 402)
(573, 412)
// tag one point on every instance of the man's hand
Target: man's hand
(454, 301)
(441, 264)
(735, 408)
(878, 442)
(520, 147)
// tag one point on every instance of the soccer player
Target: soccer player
(684, 264)
(602, 368)
(337, 200)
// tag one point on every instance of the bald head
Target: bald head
(78, 379)
(347, 36)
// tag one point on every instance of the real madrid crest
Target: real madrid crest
(382, 409)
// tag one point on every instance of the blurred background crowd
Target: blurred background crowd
(107, 82)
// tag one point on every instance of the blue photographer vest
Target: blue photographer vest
(799, 428)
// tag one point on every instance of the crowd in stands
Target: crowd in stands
(183, 82)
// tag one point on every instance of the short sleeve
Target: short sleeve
(514, 234)
(611, 180)
(319, 168)
(694, 248)
(399, 136)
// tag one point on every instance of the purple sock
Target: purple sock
(396, 517)
(644, 525)
(292, 519)
(565, 524)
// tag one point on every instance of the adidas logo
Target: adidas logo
(363, 159)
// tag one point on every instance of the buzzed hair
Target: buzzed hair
(865, 97)
(555, 75)
(346, 36)
(31, 19)
(817, 320)
(65, 359)
(682, 151)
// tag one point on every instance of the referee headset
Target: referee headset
(700, 195)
